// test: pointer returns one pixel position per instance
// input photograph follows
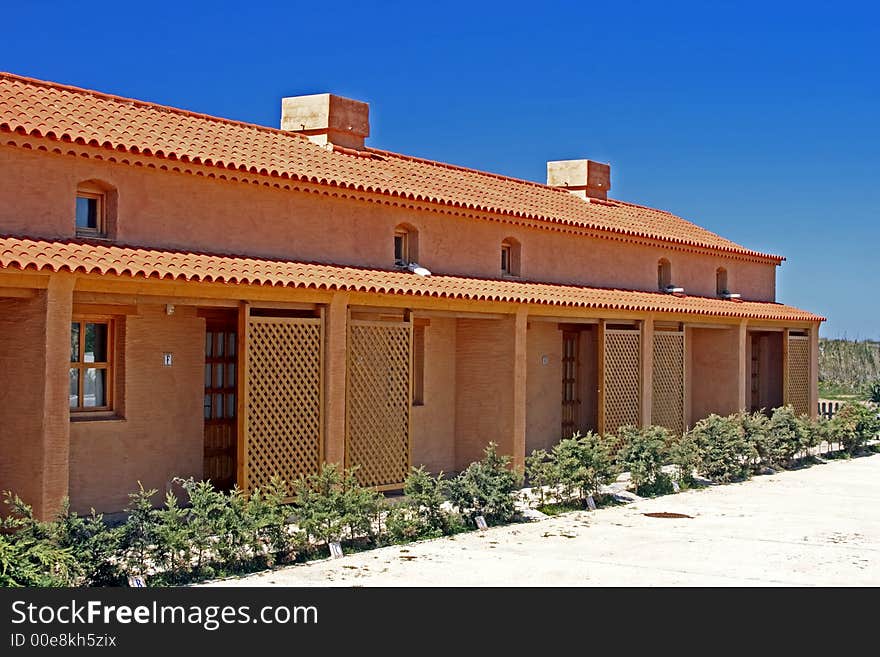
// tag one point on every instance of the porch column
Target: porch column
(646, 391)
(34, 402)
(518, 443)
(742, 379)
(56, 391)
(814, 371)
(336, 364)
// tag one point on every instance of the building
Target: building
(187, 295)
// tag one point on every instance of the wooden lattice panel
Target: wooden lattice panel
(667, 400)
(621, 380)
(798, 380)
(378, 402)
(284, 399)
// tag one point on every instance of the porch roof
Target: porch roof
(78, 256)
(69, 114)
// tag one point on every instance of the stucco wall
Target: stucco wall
(714, 368)
(433, 423)
(161, 435)
(543, 385)
(174, 210)
(484, 387)
(22, 361)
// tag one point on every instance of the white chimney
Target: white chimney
(327, 118)
(584, 178)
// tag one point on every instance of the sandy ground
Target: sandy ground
(812, 527)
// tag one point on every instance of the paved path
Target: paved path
(817, 526)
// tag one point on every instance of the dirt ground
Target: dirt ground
(819, 526)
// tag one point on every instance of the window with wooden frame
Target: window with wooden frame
(91, 211)
(505, 258)
(721, 281)
(664, 274)
(91, 364)
(418, 370)
(406, 245)
(510, 256)
(401, 247)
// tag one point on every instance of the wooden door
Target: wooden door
(220, 404)
(756, 373)
(571, 402)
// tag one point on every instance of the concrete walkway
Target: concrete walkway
(811, 527)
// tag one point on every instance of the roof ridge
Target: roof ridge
(149, 105)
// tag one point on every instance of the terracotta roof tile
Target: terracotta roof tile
(56, 111)
(125, 261)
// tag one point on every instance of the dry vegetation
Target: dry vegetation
(847, 368)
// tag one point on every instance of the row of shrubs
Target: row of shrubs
(214, 533)
(721, 449)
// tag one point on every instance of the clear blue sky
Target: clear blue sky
(758, 120)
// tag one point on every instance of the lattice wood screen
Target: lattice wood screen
(378, 402)
(667, 400)
(798, 380)
(283, 421)
(621, 381)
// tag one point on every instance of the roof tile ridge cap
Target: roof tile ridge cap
(147, 104)
(458, 167)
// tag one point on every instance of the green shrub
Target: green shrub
(786, 436)
(486, 488)
(582, 464)
(541, 473)
(138, 534)
(643, 453)
(756, 428)
(92, 543)
(28, 554)
(406, 524)
(854, 425)
(822, 430)
(331, 501)
(874, 391)
(271, 532)
(683, 453)
(206, 525)
(425, 494)
(724, 453)
(362, 508)
(320, 510)
(173, 544)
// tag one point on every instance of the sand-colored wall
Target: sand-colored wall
(433, 423)
(161, 434)
(22, 362)
(166, 209)
(484, 387)
(34, 401)
(543, 385)
(714, 367)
